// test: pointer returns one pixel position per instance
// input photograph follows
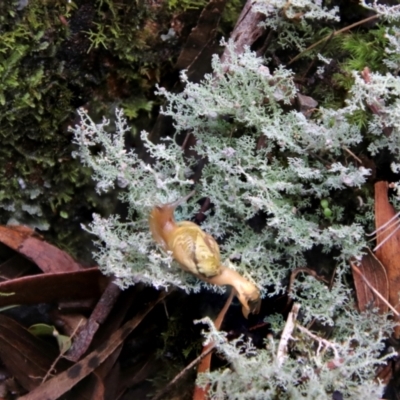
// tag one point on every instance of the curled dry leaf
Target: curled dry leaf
(47, 257)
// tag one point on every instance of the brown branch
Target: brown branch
(287, 334)
(308, 271)
(246, 30)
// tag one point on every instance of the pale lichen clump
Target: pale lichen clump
(279, 180)
(263, 161)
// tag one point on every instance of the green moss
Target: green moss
(184, 5)
(56, 56)
(35, 100)
(348, 52)
(365, 49)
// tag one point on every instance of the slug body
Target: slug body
(197, 252)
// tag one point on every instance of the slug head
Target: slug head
(162, 221)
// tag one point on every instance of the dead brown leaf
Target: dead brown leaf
(63, 382)
(389, 253)
(26, 357)
(374, 272)
(48, 288)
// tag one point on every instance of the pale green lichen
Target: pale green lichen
(266, 169)
(279, 180)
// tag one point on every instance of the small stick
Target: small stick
(334, 34)
(165, 309)
(316, 57)
(53, 365)
(352, 154)
(306, 270)
(320, 341)
(385, 240)
(287, 334)
(183, 147)
(201, 393)
(183, 372)
(384, 225)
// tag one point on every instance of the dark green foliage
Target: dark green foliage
(54, 57)
(39, 177)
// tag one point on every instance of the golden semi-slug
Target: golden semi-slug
(198, 253)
